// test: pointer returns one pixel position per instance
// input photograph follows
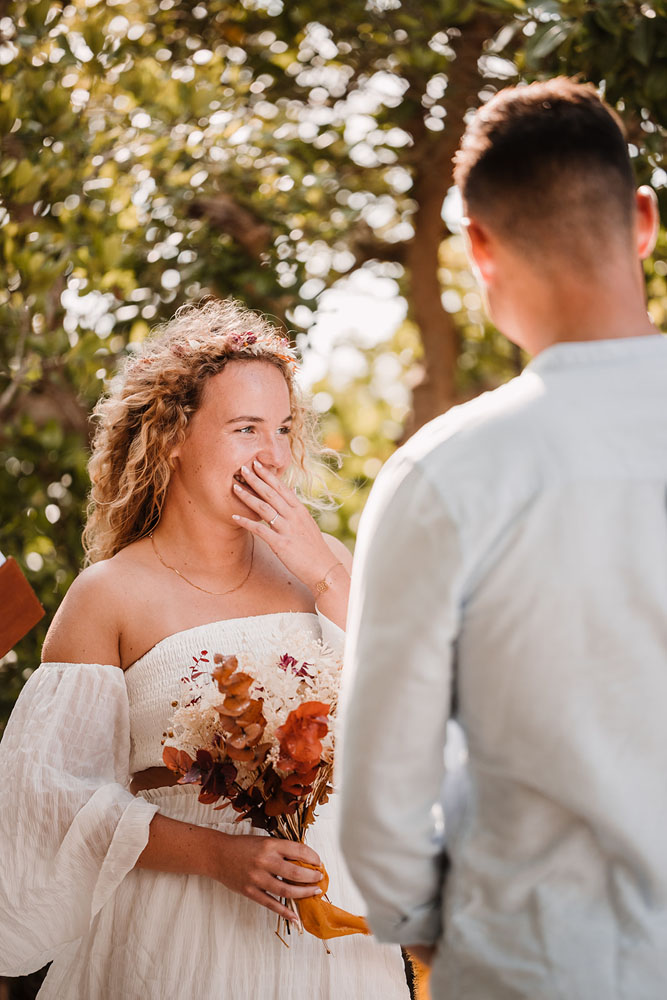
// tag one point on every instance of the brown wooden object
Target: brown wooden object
(19, 608)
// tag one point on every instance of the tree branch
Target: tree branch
(365, 245)
(21, 365)
(224, 213)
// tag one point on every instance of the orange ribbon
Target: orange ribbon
(322, 918)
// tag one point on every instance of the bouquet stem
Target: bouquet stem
(281, 920)
(295, 908)
(278, 934)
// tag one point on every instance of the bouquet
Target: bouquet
(255, 733)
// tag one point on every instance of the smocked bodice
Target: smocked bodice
(154, 680)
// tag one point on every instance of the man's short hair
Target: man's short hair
(547, 167)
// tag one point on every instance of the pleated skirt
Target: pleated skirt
(185, 937)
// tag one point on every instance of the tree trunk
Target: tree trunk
(436, 391)
(433, 153)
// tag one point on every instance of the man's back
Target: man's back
(559, 879)
(511, 567)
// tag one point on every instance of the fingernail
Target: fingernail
(236, 517)
(237, 486)
(258, 464)
(244, 469)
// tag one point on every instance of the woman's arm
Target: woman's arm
(86, 626)
(331, 592)
(260, 868)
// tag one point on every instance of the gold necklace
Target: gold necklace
(213, 593)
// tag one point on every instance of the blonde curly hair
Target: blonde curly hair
(145, 412)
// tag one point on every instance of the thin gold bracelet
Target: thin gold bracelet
(322, 586)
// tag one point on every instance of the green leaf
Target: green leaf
(546, 41)
(656, 84)
(35, 14)
(641, 41)
(608, 18)
(7, 165)
(506, 6)
(21, 176)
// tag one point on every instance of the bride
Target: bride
(197, 540)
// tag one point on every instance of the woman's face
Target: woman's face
(244, 414)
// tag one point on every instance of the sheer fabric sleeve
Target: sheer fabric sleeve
(70, 829)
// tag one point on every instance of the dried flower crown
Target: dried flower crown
(258, 345)
(241, 340)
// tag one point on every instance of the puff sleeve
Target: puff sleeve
(70, 829)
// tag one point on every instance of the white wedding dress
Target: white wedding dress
(71, 832)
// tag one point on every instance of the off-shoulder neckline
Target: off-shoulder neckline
(218, 621)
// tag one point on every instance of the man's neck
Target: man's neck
(606, 305)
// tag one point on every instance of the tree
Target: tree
(153, 152)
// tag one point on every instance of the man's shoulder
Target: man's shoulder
(476, 465)
(499, 422)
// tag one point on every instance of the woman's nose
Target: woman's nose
(274, 454)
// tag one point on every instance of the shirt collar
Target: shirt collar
(568, 354)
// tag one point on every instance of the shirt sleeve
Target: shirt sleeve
(70, 828)
(395, 704)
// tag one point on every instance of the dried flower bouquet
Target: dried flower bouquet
(256, 735)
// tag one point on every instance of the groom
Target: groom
(512, 571)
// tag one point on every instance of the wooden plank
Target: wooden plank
(20, 609)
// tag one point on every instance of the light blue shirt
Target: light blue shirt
(517, 548)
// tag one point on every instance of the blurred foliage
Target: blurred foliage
(155, 150)
(656, 281)
(363, 419)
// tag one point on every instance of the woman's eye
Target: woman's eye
(250, 429)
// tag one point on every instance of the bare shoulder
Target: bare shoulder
(86, 626)
(340, 550)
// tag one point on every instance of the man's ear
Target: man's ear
(648, 220)
(480, 249)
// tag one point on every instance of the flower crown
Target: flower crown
(259, 345)
(242, 341)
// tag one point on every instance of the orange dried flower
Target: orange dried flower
(301, 737)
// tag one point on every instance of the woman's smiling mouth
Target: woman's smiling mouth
(242, 482)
